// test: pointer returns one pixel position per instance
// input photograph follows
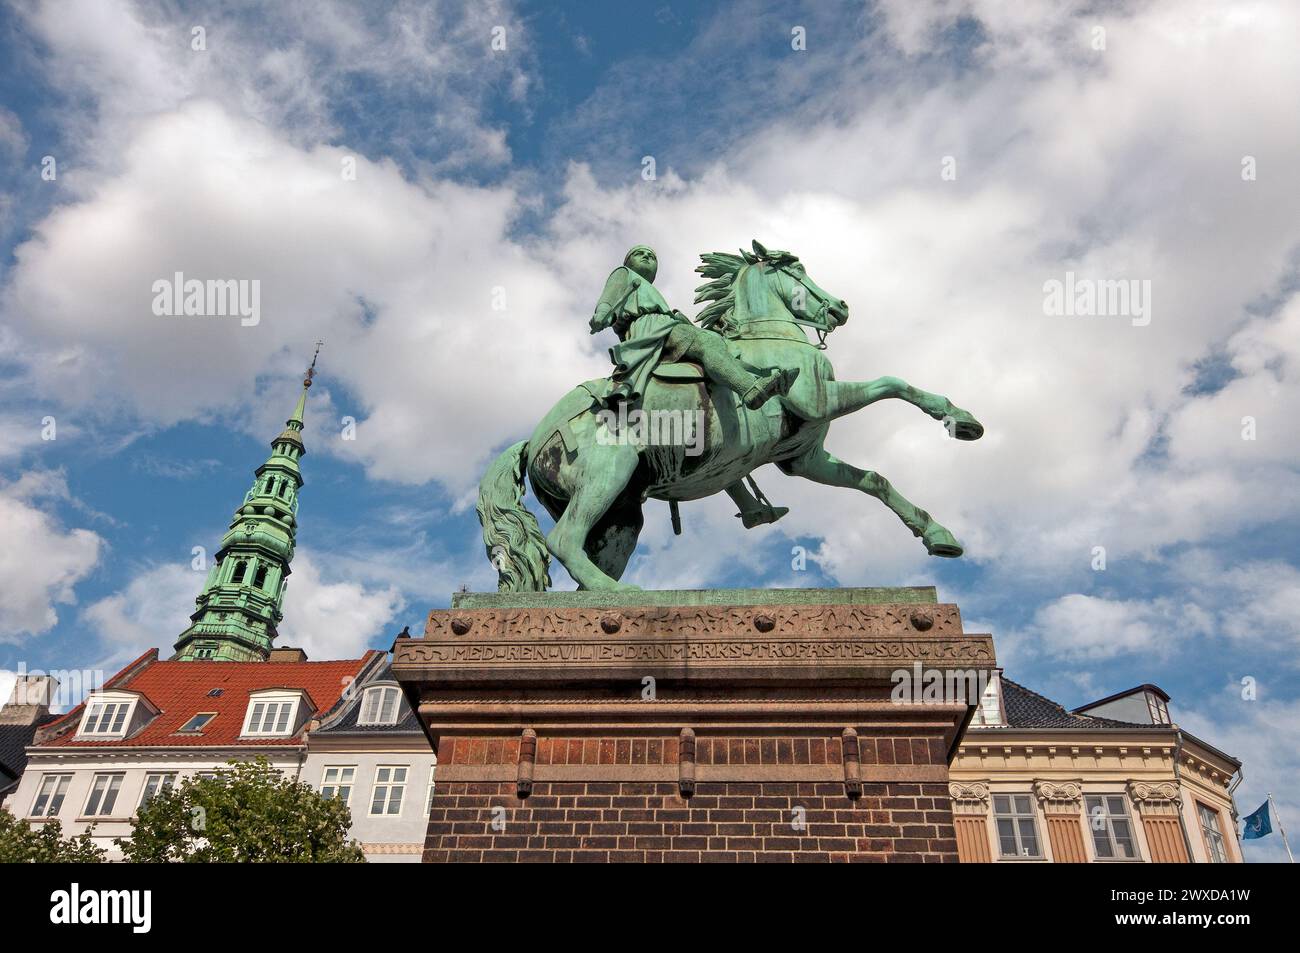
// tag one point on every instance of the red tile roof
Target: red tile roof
(179, 690)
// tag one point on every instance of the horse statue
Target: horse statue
(593, 471)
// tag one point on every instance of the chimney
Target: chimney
(286, 653)
(30, 700)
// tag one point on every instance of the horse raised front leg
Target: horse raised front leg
(845, 397)
(601, 480)
(821, 467)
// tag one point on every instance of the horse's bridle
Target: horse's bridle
(822, 323)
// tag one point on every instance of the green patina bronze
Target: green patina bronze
(239, 609)
(741, 387)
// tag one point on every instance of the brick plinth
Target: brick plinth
(613, 821)
(568, 730)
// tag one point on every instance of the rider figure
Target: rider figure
(650, 332)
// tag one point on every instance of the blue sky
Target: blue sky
(520, 170)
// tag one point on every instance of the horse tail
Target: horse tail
(513, 540)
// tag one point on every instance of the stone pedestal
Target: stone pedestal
(711, 725)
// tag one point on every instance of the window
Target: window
(1112, 833)
(105, 718)
(338, 782)
(1016, 821)
(50, 795)
(379, 707)
(428, 801)
(1212, 834)
(206, 650)
(156, 781)
(390, 785)
(103, 795)
(260, 580)
(272, 716)
(1157, 708)
(198, 722)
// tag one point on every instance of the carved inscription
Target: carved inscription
(970, 648)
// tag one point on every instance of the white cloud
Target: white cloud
(208, 194)
(18, 433)
(41, 560)
(13, 139)
(1253, 603)
(288, 66)
(335, 619)
(1089, 627)
(328, 619)
(150, 612)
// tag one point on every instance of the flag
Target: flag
(1257, 825)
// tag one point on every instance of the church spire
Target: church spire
(240, 606)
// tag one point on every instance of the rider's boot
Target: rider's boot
(753, 512)
(776, 383)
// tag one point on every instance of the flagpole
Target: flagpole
(1280, 829)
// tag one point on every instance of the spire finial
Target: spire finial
(311, 370)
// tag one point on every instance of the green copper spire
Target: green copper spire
(240, 605)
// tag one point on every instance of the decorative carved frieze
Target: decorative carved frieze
(970, 648)
(792, 620)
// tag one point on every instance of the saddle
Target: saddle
(679, 372)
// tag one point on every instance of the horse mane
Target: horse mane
(723, 267)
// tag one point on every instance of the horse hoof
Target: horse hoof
(939, 542)
(963, 426)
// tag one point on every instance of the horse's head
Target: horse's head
(804, 297)
(748, 287)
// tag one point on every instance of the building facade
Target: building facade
(373, 754)
(1114, 781)
(157, 723)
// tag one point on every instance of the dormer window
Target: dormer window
(1159, 710)
(379, 706)
(106, 717)
(272, 715)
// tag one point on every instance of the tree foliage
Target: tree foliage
(25, 843)
(249, 813)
